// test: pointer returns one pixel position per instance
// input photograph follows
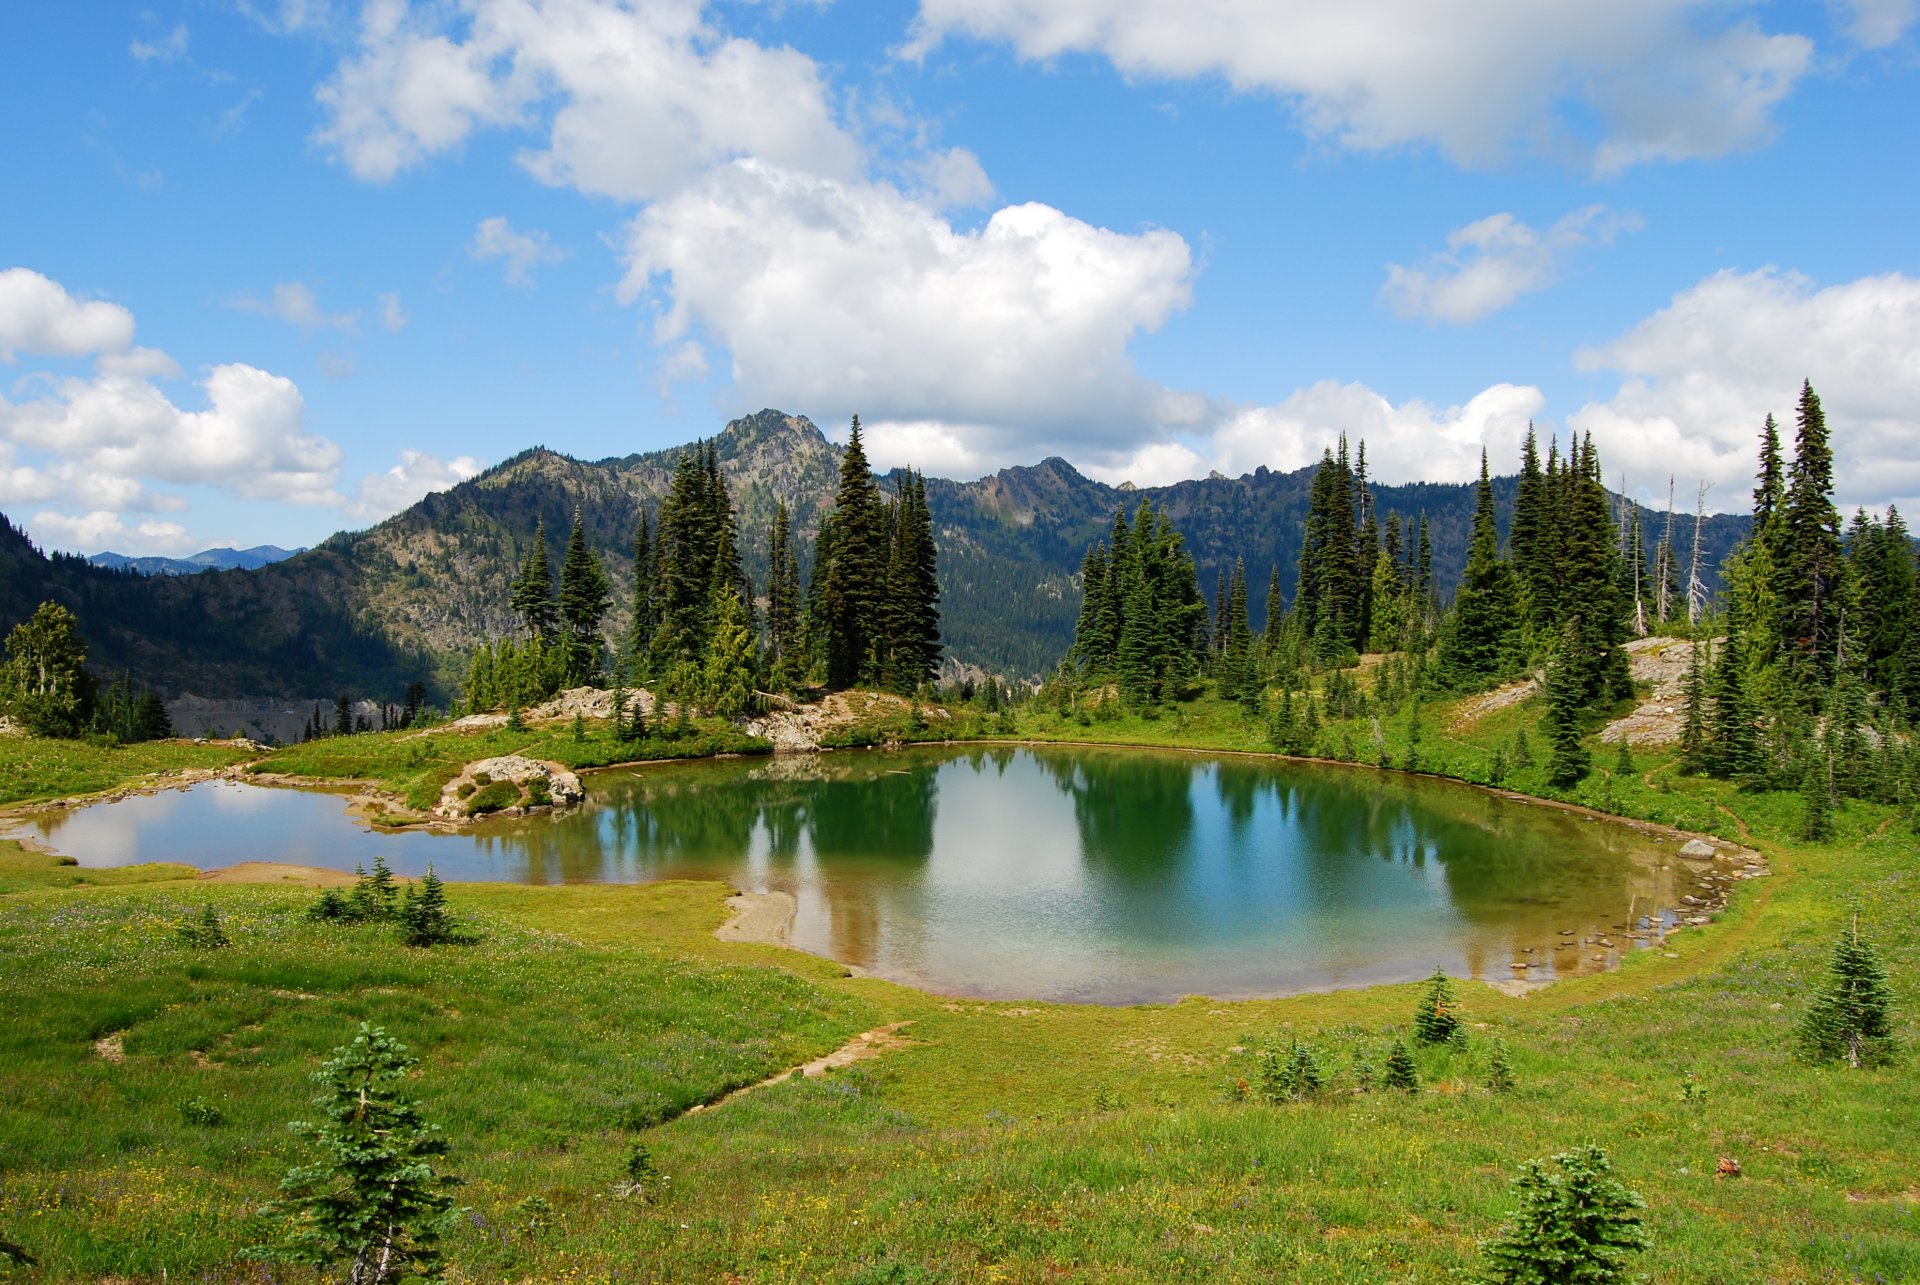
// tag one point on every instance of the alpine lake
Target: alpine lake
(1003, 872)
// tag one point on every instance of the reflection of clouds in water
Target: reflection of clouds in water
(233, 797)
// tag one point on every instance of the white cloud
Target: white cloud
(392, 315)
(119, 431)
(632, 100)
(495, 238)
(1654, 79)
(139, 363)
(1702, 373)
(1489, 264)
(37, 315)
(850, 296)
(416, 475)
(103, 530)
(294, 303)
(167, 48)
(1874, 24)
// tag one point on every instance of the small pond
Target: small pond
(1109, 876)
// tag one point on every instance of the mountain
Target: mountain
(260, 555)
(367, 612)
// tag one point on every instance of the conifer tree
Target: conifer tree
(1276, 617)
(785, 655)
(1529, 541)
(1735, 740)
(371, 1198)
(1816, 800)
(424, 919)
(727, 678)
(1576, 1227)
(1851, 1017)
(851, 567)
(585, 595)
(1500, 1077)
(645, 620)
(1476, 645)
(44, 683)
(1569, 760)
(531, 595)
(1401, 1073)
(1809, 566)
(1436, 1020)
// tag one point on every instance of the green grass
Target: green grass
(23, 870)
(1008, 1141)
(34, 768)
(416, 766)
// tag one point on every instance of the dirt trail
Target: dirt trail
(858, 1049)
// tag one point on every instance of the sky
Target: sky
(275, 268)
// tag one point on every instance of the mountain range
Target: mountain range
(367, 612)
(260, 555)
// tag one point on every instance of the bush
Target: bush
(1851, 1019)
(203, 931)
(493, 797)
(1576, 1226)
(1402, 1074)
(1436, 1021)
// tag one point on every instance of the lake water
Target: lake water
(1015, 872)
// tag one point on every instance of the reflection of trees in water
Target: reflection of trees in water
(1135, 811)
(658, 824)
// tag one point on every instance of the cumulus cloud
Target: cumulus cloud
(103, 529)
(1489, 264)
(38, 316)
(521, 252)
(1701, 374)
(1873, 24)
(851, 296)
(416, 475)
(1655, 79)
(295, 303)
(631, 99)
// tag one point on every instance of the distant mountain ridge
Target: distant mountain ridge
(260, 555)
(368, 611)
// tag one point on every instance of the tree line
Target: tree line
(701, 633)
(46, 688)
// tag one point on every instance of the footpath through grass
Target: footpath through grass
(1008, 1141)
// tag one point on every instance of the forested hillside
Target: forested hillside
(370, 611)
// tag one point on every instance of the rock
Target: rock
(1698, 850)
(562, 786)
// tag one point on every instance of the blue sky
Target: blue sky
(271, 268)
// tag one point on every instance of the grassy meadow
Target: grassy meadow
(149, 1083)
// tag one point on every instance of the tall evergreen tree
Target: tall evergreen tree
(531, 595)
(784, 644)
(1850, 1019)
(44, 683)
(1476, 645)
(1566, 698)
(1809, 566)
(585, 595)
(853, 573)
(645, 620)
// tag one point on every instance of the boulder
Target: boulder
(530, 782)
(1698, 850)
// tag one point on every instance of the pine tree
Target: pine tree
(785, 656)
(585, 595)
(44, 683)
(1500, 1077)
(1809, 566)
(424, 920)
(645, 620)
(1528, 540)
(852, 567)
(1296, 1078)
(531, 595)
(1851, 1018)
(371, 1198)
(1575, 1227)
(1436, 1021)
(1476, 645)
(1569, 760)
(1816, 800)
(727, 678)
(1735, 741)
(1401, 1073)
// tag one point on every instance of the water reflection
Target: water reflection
(1053, 872)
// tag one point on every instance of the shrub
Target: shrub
(1436, 1021)
(1402, 1074)
(203, 931)
(493, 797)
(1576, 1226)
(424, 920)
(1499, 1068)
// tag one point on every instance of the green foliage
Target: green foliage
(204, 930)
(1480, 641)
(1437, 1020)
(1296, 1077)
(424, 918)
(1569, 760)
(726, 682)
(585, 595)
(1401, 1074)
(1850, 1019)
(1142, 623)
(494, 796)
(531, 595)
(1574, 1227)
(44, 685)
(1500, 1077)
(371, 1197)
(1816, 801)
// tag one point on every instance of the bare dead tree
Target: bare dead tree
(1629, 551)
(1696, 587)
(1663, 565)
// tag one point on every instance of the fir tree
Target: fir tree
(645, 621)
(1435, 1021)
(1851, 1018)
(1735, 741)
(371, 1198)
(1401, 1073)
(1576, 1227)
(1809, 565)
(727, 678)
(785, 657)
(424, 920)
(531, 595)
(203, 931)
(1295, 1078)
(1569, 760)
(1694, 751)
(1500, 1077)
(1816, 800)
(585, 595)
(1476, 646)
(851, 566)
